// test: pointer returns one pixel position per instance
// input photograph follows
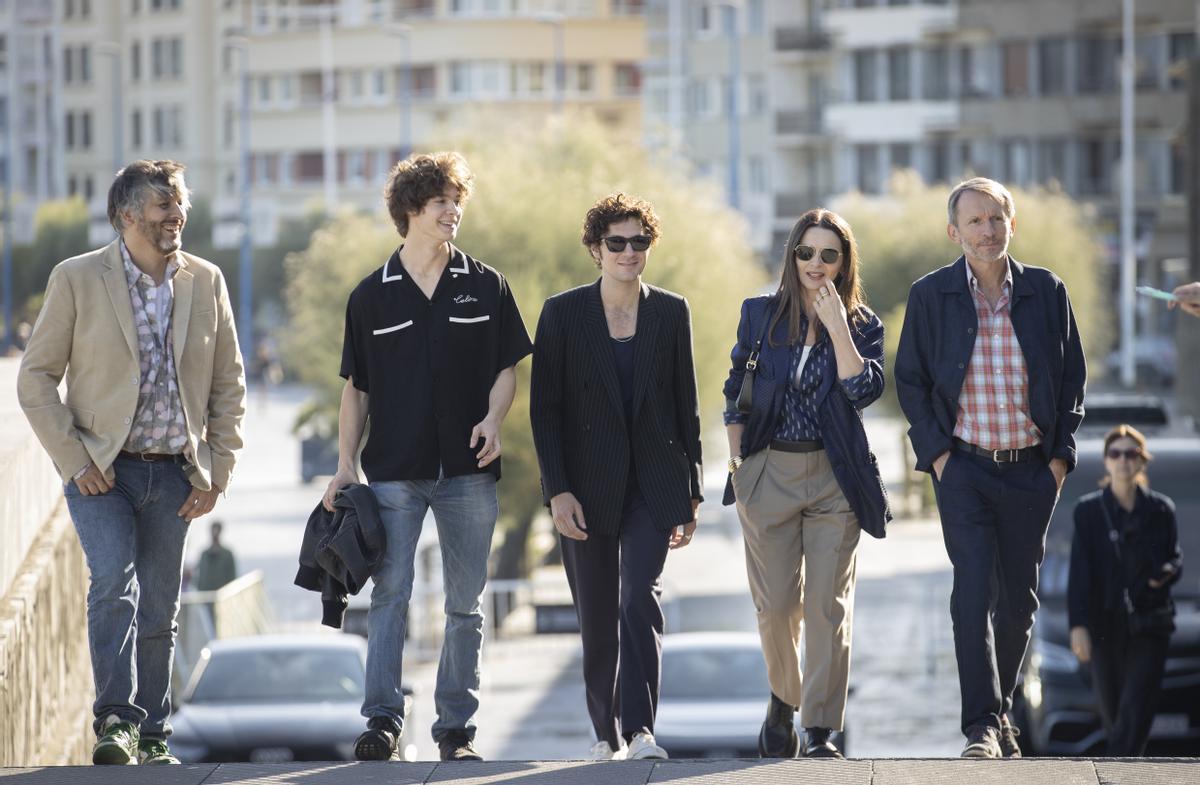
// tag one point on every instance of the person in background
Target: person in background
(616, 425)
(217, 566)
(1124, 558)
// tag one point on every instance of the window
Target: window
(378, 84)
(939, 162)
(1177, 172)
(580, 78)
(68, 9)
(756, 95)
(972, 74)
(135, 61)
(699, 102)
(85, 130)
(157, 59)
(628, 79)
(1181, 47)
(1052, 162)
(356, 166)
(159, 123)
(176, 57)
(756, 170)
(85, 8)
(936, 74)
(85, 64)
(1097, 60)
(901, 155)
(864, 75)
(69, 130)
(72, 186)
(309, 167)
(867, 158)
(264, 90)
(3, 53)
(287, 89)
(1052, 66)
(899, 74)
(135, 128)
(228, 123)
(1014, 58)
(1095, 166)
(1016, 164)
(89, 188)
(68, 65)
(422, 81)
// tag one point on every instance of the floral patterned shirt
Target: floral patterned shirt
(158, 425)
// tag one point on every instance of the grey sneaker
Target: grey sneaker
(154, 752)
(982, 742)
(118, 743)
(1009, 746)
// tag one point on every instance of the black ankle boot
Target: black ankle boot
(778, 738)
(819, 745)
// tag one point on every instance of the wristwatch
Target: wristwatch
(735, 463)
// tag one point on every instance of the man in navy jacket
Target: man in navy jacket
(990, 374)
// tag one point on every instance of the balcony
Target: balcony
(801, 39)
(883, 26)
(797, 126)
(790, 205)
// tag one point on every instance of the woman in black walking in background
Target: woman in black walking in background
(1124, 558)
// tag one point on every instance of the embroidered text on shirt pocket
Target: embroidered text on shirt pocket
(469, 319)
(392, 329)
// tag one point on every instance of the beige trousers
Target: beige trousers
(801, 537)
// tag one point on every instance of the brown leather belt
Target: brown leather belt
(151, 456)
(1000, 456)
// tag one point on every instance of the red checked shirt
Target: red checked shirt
(993, 407)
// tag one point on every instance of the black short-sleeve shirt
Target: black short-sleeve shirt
(428, 365)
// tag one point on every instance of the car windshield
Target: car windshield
(280, 676)
(714, 674)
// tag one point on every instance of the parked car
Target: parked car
(277, 698)
(1054, 705)
(714, 695)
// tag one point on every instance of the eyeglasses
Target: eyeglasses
(1129, 455)
(828, 255)
(616, 243)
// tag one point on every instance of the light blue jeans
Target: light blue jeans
(133, 542)
(465, 509)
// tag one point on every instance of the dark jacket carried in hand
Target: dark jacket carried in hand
(341, 549)
(938, 340)
(1147, 541)
(854, 465)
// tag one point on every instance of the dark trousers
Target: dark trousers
(615, 583)
(994, 520)
(1127, 675)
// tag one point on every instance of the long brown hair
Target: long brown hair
(790, 291)
(1123, 431)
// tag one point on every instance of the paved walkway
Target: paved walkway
(683, 772)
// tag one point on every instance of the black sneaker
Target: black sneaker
(378, 741)
(778, 737)
(118, 743)
(982, 742)
(819, 745)
(456, 745)
(1009, 746)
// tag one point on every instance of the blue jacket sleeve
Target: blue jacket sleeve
(914, 382)
(865, 388)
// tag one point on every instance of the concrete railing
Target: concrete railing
(45, 675)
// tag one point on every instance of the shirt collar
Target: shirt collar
(973, 282)
(393, 270)
(133, 273)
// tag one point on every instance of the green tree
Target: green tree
(535, 183)
(60, 232)
(902, 236)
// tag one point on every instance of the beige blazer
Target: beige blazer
(86, 330)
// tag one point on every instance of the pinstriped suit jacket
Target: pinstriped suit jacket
(579, 422)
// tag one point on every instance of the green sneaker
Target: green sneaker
(154, 752)
(118, 743)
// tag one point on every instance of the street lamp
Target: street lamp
(557, 20)
(245, 320)
(1128, 253)
(404, 33)
(735, 77)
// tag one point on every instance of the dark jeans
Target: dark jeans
(1127, 675)
(994, 520)
(616, 584)
(133, 541)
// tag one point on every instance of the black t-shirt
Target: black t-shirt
(427, 365)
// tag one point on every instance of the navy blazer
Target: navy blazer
(854, 465)
(939, 337)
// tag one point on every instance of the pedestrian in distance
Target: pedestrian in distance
(1125, 557)
(809, 358)
(616, 425)
(431, 341)
(145, 441)
(217, 565)
(990, 375)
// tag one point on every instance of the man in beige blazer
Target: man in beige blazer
(145, 441)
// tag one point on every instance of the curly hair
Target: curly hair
(614, 209)
(419, 178)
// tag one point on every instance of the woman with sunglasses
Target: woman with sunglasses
(616, 425)
(802, 475)
(1124, 558)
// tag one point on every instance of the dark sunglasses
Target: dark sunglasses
(828, 255)
(1129, 455)
(616, 243)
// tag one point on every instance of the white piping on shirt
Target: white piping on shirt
(392, 329)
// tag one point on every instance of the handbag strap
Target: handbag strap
(752, 360)
(1114, 537)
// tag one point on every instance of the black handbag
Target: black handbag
(745, 398)
(1157, 620)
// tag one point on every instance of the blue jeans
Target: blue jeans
(465, 509)
(133, 542)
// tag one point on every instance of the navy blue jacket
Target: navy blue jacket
(853, 463)
(939, 337)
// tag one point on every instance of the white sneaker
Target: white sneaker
(643, 746)
(601, 751)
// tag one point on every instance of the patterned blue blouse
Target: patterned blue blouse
(798, 421)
